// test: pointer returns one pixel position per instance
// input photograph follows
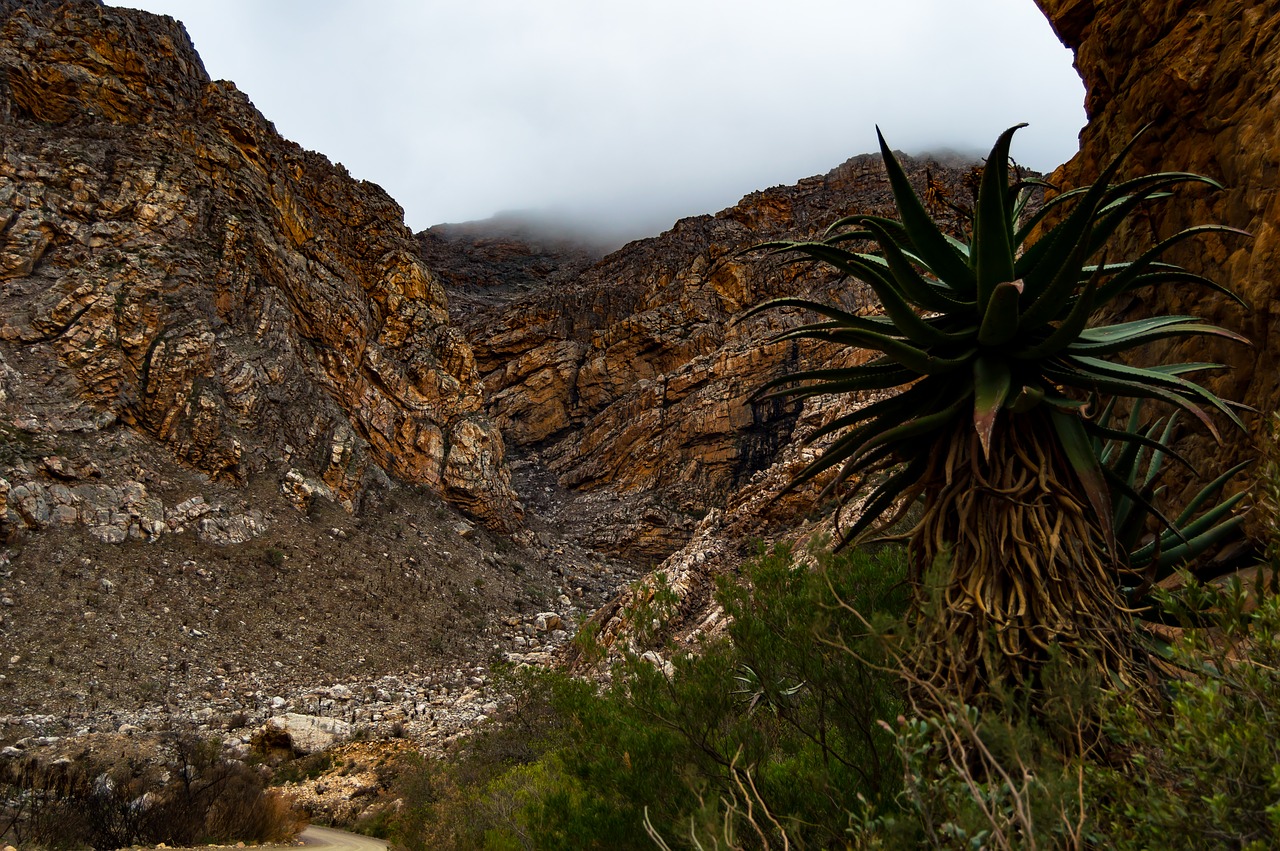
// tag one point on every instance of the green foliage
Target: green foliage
(1208, 776)
(581, 767)
(1097, 773)
(793, 727)
(988, 344)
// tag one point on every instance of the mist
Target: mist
(620, 119)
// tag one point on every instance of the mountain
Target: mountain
(631, 379)
(247, 419)
(189, 275)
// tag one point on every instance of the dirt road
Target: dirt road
(327, 839)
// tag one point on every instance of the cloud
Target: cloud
(642, 111)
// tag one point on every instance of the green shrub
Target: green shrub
(1098, 773)
(778, 704)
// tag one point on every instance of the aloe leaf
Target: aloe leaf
(992, 224)
(1124, 281)
(1040, 246)
(1046, 301)
(1027, 397)
(991, 380)
(1164, 276)
(887, 283)
(1159, 447)
(895, 408)
(1126, 197)
(1163, 178)
(1195, 537)
(883, 496)
(1090, 474)
(913, 358)
(1133, 340)
(1067, 242)
(844, 317)
(1195, 546)
(912, 285)
(1209, 491)
(1000, 319)
(863, 377)
(1125, 387)
(1162, 377)
(1072, 325)
(854, 384)
(1106, 333)
(1118, 484)
(927, 240)
(1166, 450)
(924, 424)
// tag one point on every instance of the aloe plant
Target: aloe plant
(989, 340)
(1134, 463)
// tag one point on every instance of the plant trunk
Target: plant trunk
(1012, 564)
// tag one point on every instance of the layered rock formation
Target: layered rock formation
(170, 264)
(632, 379)
(1204, 78)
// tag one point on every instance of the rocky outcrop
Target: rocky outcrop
(170, 264)
(633, 379)
(1204, 78)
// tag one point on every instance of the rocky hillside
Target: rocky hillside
(243, 433)
(243, 451)
(172, 266)
(1205, 77)
(630, 380)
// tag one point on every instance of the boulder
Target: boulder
(310, 733)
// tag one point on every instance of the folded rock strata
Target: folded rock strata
(184, 271)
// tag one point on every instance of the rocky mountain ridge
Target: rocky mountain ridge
(631, 379)
(187, 273)
(247, 419)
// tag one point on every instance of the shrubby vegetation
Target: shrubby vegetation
(765, 710)
(798, 723)
(192, 796)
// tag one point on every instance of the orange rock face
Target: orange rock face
(633, 378)
(242, 300)
(1205, 77)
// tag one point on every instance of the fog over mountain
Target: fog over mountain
(624, 118)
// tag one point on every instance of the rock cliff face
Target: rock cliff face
(1206, 77)
(632, 380)
(169, 263)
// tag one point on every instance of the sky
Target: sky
(625, 115)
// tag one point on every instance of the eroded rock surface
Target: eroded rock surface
(632, 380)
(168, 263)
(1206, 77)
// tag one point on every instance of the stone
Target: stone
(629, 377)
(173, 266)
(311, 733)
(1205, 77)
(547, 621)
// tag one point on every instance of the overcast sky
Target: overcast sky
(633, 114)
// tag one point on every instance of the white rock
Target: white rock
(310, 733)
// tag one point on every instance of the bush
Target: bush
(778, 700)
(193, 797)
(1202, 775)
